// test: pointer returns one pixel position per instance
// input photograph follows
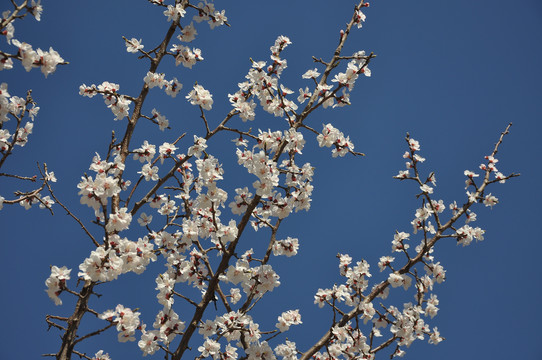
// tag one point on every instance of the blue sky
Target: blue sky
(453, 75)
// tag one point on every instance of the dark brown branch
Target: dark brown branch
(94, 333)
(69, 339)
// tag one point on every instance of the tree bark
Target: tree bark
(70, 336)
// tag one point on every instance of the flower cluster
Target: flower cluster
(327, 94)
(207, 12)
(200, 96)
(120, 257)
(331, 136)
(232, 326)
(45, 202)
(286, 247)
(260, 163)
(356, 283)
(188, 33)
(47, 61)
(56, 282)
(346, 341)
(263, 84)
(133, 45)
(347, 79)
(171, 87)
(254, 280)
(126, 321)
(186, 56)
(167, 326)
(96, 192)
(101, 356)
(287, 319)
(119, 104)
(408, 326)
(17, 107)
(174, 12)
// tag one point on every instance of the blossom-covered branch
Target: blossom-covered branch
(16, 108)
(408, 324)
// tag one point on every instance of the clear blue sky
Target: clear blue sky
(452, 74)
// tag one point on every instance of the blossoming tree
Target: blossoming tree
(163, 201)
